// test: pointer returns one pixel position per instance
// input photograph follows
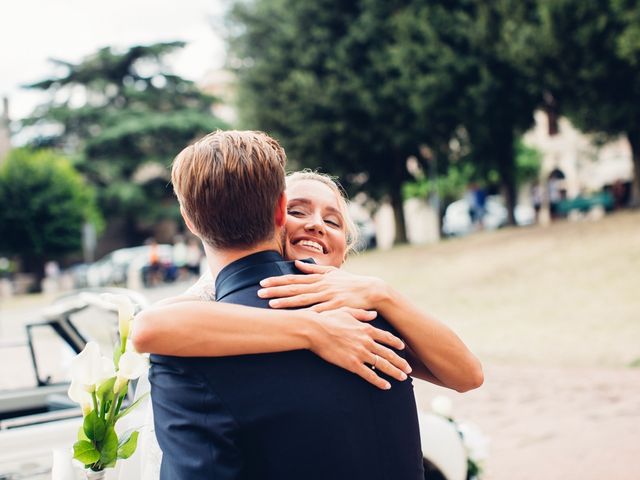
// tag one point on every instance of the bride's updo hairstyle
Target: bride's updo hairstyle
(351, 230)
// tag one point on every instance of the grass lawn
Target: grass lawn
(564, 295)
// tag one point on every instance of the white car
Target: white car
(457, 218)
(113, 268)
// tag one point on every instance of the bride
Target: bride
(334, 326)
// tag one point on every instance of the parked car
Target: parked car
(36, 419)
(113, 269)
(457, 217)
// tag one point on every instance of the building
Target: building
(582, 163)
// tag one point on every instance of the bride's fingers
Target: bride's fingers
(289, 280)
(372, 377)
(360, 314)
(387, 338)
(312, 267)
(391, 363)
(287, 291)
(302, 300)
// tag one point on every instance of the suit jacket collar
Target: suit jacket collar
(247, 271)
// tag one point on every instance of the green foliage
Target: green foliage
(94, 427)
(45, 203)
(450, 187)
(109, 447)
(105, 392)
(134, 113)
(357, 87)
(591, 52)
(528, 163)
(352, 87)
(128, 444)
(85, 452)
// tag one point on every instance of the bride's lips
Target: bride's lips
(311, 244)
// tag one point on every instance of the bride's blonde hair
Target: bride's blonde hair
(351, 230)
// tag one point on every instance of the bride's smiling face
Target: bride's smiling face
(316, 226)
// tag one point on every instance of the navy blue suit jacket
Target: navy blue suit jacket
(279, 416)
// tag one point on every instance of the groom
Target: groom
(275, 416)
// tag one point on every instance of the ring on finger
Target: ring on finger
(375, 362)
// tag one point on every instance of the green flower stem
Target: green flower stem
(103, 409)
(120, 399)
(115, 407)
(111, 412)
(95, 400)
(123, 344)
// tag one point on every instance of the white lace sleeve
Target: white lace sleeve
(204, 288)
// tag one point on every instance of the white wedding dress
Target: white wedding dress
(145, 463)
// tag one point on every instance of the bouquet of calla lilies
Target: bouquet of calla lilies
(100, 384)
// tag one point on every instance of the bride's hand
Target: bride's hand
(323, 288)
(344, 338)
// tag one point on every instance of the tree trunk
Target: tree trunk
(507, 171)
(398, 215)
(634, 141)
(397, 202)
(34, 264)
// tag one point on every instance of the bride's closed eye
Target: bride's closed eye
(333, 222)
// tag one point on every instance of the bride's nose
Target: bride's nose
(315, 224)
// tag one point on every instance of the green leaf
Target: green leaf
(94, 427)
(109, 447)
(128, 444)
(127, 410)
(82, 435)
(85, 452)
(105, 392)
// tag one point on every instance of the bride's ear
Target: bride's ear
(281, 210)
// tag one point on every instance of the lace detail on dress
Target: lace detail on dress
(204, 288)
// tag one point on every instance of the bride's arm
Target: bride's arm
(204, 328)
(436, 353)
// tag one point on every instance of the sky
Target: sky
(32, 31)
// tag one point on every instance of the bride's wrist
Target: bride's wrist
(308, 328)
(379, 294)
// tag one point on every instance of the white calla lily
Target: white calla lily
(126, 310)
(79, 394)
(89, 367)
(130, 367)
(442, 406)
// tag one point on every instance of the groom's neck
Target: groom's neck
(218, 259)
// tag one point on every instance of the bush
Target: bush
(44, 205)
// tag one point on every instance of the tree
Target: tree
(124, 116)
(592, 67)
(354, 87)
(45, 203)
(358, 87)
(506, 89)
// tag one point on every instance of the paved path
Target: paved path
(554, 423)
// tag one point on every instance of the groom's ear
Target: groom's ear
(281, 210)
(188, 222)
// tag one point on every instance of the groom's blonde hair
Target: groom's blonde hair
(228, 184)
